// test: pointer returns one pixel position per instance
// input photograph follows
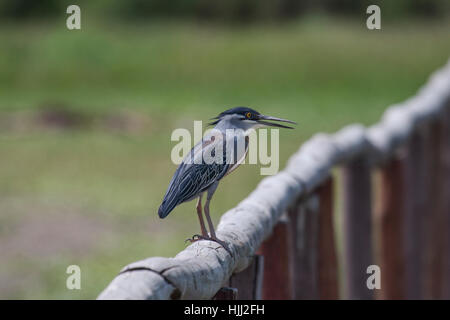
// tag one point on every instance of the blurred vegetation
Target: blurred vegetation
(240, 11)
(86, 117)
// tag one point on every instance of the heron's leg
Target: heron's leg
(209, 196)
(208, 218)
(211, 229)
(204, 235)
(200, 216)
(212, 232)
(212, 236)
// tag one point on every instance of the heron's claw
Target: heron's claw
(197, 237)
(194, 238)
(223, 244)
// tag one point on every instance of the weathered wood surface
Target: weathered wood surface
(313, 251)
(444, 161)
(357, 216)
(200, 270)
(327, 257)
(390, 217)
(226, 293)
(249, 282)
(415, 213)
(434, 218)
(304, 227)
(278, 275)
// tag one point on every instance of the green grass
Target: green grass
(322, 73)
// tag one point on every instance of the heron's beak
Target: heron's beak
(272, 124)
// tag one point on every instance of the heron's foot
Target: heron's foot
(197, 237)
(222, 243)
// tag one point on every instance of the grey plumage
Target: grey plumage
(190, 180)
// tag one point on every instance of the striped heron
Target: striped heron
(195, 175)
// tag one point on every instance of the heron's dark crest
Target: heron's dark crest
(236, 110)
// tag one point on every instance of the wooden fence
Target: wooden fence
(394, 187)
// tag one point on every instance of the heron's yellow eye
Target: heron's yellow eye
(248, 115)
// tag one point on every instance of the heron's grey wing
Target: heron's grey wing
(188, 159)
(190, 180)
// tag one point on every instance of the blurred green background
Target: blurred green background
(86, 115)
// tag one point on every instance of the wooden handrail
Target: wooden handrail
(204, 267)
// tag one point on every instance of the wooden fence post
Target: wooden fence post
(429, 202)
(304, 231)
(357, 227)
(249, 282)
(414, 229)
(277, 279)
(444, 174)
(390, 215)
(436, 215)
(226, 293)
(327, 260)
(245, 285)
